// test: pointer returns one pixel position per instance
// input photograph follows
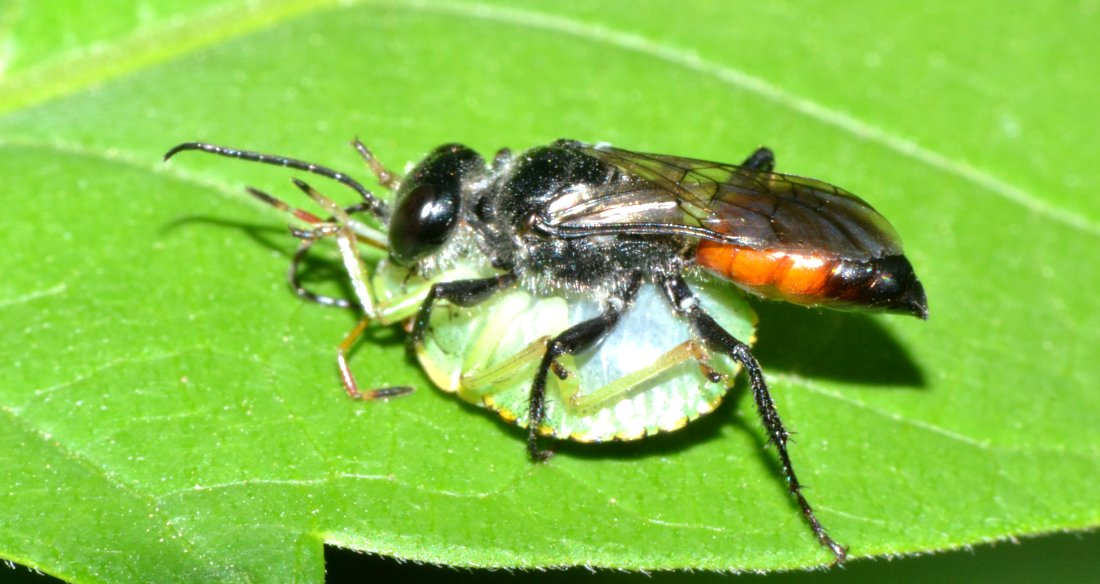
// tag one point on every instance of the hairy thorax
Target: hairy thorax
(546, 264)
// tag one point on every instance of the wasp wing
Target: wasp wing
(661, 194)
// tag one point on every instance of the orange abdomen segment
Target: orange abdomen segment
(800, 278)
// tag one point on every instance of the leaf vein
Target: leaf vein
(35, 295)
(921, 424)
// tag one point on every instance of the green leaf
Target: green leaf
(170, 412)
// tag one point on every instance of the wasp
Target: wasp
(535, 235)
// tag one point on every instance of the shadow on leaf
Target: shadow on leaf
(317, 269)
(828, 344)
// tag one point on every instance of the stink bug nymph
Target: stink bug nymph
(589, 286)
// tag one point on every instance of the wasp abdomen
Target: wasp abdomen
(886, 283)
(801, 278)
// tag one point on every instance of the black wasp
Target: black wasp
(574, 220)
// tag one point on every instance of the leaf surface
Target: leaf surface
(170, 412)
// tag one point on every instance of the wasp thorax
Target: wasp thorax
(427, 206)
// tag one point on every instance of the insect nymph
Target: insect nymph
(612, 230)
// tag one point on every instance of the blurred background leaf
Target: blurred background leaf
(171, 412)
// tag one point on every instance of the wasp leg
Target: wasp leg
(573, 340)
(686, 303)
(761, 160)
(460, 293)
(389, 180)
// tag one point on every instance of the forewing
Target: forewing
(725, 202)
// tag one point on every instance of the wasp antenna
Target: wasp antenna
(375, 206)
(181, 147)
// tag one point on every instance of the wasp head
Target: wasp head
(428, 204)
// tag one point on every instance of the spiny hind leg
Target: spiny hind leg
(717, 338)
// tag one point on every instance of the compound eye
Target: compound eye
(422, 222)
